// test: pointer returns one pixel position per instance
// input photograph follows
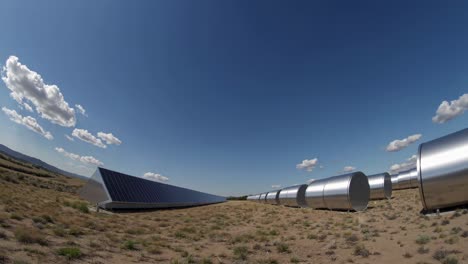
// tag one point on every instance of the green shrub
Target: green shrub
(423, 239)
(360, 250)
(352, 239)
(206, 261)
(282, 247)
(241, 252)
(59, 231)
(450, 260)
(70, 253)
(80, 206)
(16, 217)
(130, 245)
(30, 236)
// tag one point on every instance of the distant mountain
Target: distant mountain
(17, 155)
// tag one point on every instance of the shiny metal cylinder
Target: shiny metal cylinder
(273, 197)
(408, 179)
(380, 186)
(442, 168)
(395, 185)
(261, 198)
(344, 192)
(293, 196)
(314, 194)
(253, 198)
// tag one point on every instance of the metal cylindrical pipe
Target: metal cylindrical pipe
(395, 185)
(314, 194)
(272, 197)
(253, 198)
(408, 179)
(293, 196)
(442, 168)
(380, 186)
(261, 198)
(256, 198)
(344, 192)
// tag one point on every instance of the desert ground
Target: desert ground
(42, 220)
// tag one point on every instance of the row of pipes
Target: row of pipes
(441, 174)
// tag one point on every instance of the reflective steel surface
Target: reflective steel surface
(442, 169)
(293, 196)
(314, 194)
(395, 185)
(408, 179)
(262, 197)
(345, 192)
(253, 198)
(273, 197)
(380, 186)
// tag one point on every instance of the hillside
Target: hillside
(42, 220)
(28, 159)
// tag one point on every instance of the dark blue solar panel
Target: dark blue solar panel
(126, 188)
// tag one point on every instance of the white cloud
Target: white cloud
(399, 144)
(308, 165)
(349, 169)
(276, 186)
(27, 121)
(407, 165)
(28, 107)
(81, 109)
(448, 111)
(109, 138)
(69, 138)
(155, 177)
(26, 84)
(85, 136)
(90, 160)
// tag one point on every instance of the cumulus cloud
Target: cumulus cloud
(84, 135)
(27, 121)
(399, 144)
(26, 84)
(349, 169)
(407, 165)
(81, 109)
(69, 138)
(28, 107)
(307, 165)
(448, 111)
(109, 138)
(155, 177)
(276, 186)
(90, 160)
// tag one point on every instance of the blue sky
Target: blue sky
(229, 96)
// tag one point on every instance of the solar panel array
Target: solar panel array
(130, 189)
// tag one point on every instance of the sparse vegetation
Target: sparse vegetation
(407, 255)
(130, 245)
(47, 225)
(282, 247)
(78, 205)
(241, 252)
(361, 250)
(423, 239)
(423, 250)
(30, 236)
(70, 253)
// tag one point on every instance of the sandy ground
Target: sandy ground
(47, 223)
